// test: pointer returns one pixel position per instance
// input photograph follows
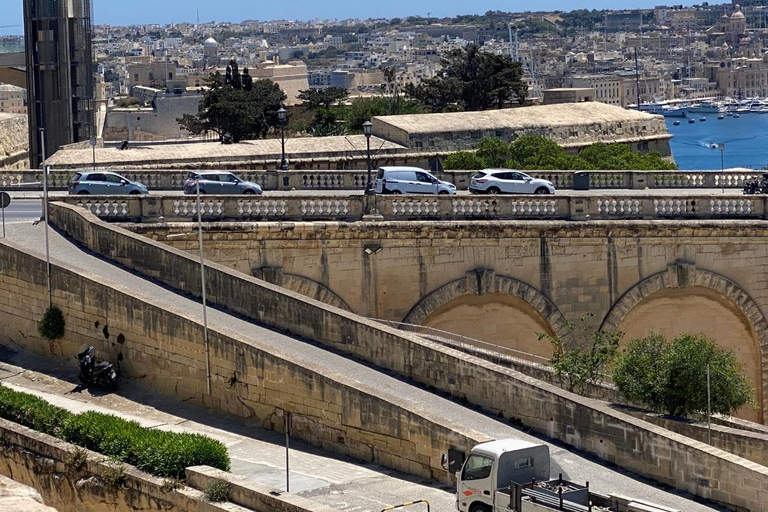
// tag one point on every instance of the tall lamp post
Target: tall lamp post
(45, 216)
(282, 115)
(367, 128)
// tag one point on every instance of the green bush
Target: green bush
(463, 161)
(31, 411)
(159, 453)
(671, 377)
(51, 326)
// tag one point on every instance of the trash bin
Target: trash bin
(581, 180)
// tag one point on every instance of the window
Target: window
(229, 178)
(477, 467)
(113, 178)
(209, 177)
(424, 178)
(95, 177)
(524, 462)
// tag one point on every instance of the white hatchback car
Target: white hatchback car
(508, 181)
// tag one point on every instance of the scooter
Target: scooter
(751, 186)
(102, 374)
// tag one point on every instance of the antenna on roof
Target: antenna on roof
(198, 16)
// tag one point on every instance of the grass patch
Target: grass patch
(218, 490)
(165, 454)
(77, 458)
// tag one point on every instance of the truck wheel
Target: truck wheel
(479, 507)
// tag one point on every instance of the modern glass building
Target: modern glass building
(60, 82)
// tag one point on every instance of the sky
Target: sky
(170, 11)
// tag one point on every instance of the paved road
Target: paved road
(327, 481)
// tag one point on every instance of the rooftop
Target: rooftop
(561, 114)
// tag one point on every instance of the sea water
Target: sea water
(694, 145)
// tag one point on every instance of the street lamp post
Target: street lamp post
(721, 147)
(45, 216)
(282, 115)
(367, 127)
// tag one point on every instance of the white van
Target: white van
(410, 180)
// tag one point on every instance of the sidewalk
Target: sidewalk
(255, 452)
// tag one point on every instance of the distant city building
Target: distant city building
(60, 80)
(12, 99)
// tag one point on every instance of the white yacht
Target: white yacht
(705, 107)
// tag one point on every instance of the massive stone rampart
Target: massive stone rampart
(164, 349)
(14, 141)
(586, 424)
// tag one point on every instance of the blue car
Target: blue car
(219, 182)
(102, 183)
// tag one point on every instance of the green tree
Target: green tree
(463, 160)
(493, 152)
(239, 112)
(363, 109)
(313, 99)
(472, 80)
(583, 360)
(672, 377)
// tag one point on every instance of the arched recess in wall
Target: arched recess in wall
(491, 308)
(687, 299)
(302, 285)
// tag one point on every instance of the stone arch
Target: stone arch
(681, 275)
(302, 285)
(485, 281)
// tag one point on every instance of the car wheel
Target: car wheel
(541, 190)
(248, 191)
(83, 193)
(493, 190)
(396, 192)
(134, 192)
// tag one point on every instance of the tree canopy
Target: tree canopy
(471, 79)
(236, 104)
(672, 377)
(313, 99)
(534, 152)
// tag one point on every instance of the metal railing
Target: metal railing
(484, 349)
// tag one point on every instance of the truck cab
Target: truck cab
(492, 466)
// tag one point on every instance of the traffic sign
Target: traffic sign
(5, 199)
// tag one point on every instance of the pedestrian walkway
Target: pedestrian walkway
(323, 477)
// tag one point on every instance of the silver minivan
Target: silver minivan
(410, 180)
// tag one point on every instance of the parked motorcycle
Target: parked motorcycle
(101, 374)
(755, 186)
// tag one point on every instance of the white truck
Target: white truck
(511, 475)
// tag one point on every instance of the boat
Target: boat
(676, 123)
(703, 119)
(736, 115)
(673, 111)
(705, 107)
(721, 116)
(662, 109)
(691, 120)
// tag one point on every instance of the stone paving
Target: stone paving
(340, 483)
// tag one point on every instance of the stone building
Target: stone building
(12, 99)
(291, 77)
(608, 88)
(14, 144)
(152, 74)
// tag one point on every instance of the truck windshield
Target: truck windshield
(477, 467)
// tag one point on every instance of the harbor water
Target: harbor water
(694, 145)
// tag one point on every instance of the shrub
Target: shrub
(154, 451)
(77, 458)
(159, 453)
(463, 161)
(114, 475)
(51, 326)
(218, 490)
(31, 411)
(672, 377)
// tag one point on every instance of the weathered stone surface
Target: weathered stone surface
(14, 141)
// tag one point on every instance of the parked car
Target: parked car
(410, 180)
(103, 183)
(219, 182)
(508, 181)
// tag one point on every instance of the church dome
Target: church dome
(210, 43)
(737, 14)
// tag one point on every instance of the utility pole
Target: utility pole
(637, 79)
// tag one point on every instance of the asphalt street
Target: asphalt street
(350, 496)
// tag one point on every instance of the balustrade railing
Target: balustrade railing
(357, 179)
(352, 208)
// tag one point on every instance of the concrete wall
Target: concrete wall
(586, 424)
(164, 350)
(158, 123)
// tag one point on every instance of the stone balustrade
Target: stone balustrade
(399, 208)
(356, 180)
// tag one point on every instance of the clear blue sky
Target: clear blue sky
(167, 11)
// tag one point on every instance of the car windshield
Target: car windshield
(479, 174)
(380, 174)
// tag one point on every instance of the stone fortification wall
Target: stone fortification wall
(14, 142)
(586, 424)
(164, 349)
(572, 125)
(157, 123)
